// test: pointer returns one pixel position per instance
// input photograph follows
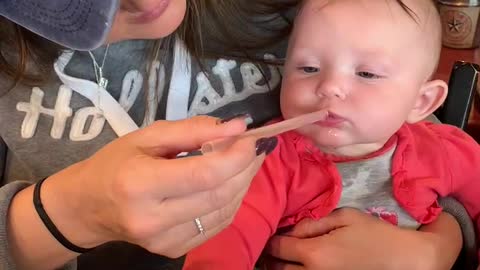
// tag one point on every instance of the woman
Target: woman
(63, 127)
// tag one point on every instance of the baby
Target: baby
(369, 64)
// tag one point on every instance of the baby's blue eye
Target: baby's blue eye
(309, 69)
(368, 75)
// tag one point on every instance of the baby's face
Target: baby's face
(361, 61)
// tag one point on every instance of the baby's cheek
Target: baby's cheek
(294, 105)
(382, 126)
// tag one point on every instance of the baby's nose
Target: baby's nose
(331, 90)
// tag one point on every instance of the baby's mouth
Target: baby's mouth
(332, 120)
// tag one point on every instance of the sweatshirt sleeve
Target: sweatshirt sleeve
(7, 193)
(468, 256)
(462, 155)
(239, 246)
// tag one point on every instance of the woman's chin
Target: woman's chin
(125, 28)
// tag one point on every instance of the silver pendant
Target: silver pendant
(103, 82)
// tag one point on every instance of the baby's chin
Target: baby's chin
(324, 138)
(336, 142)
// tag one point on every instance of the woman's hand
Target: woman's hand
(350, 239)
(131, 191)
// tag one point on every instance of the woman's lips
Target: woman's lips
(150, 15)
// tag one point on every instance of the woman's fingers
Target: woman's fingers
(142, 197)
(309, 228)
(200, 173)
(214, 216)
(201, 203)
(157, 205)
(287, 248)
(184, 237)
(200, 238)
(163, 178)
(166, 137)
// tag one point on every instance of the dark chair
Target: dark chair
(456, 111)
(462, 88)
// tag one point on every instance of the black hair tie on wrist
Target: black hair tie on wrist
(37, 202)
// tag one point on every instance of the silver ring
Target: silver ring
(199, 226)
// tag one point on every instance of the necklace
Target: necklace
(101, 80)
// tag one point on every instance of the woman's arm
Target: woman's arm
(128, 192)
(29, 242)
(446, 241)
(350, 239)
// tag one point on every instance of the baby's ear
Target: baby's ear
(431, 96)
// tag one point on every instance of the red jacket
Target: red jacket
(298, 181)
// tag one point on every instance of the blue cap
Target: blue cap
(76, 24)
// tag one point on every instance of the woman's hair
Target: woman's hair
(238, 27)
(24, 56)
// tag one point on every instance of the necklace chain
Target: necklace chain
(101, 80)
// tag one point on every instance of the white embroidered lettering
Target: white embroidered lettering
(222, 69)
(34, 108)
(207, 98)
(251, 75)
(77, 131)
(131, 87)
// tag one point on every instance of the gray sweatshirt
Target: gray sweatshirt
(49, 127)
